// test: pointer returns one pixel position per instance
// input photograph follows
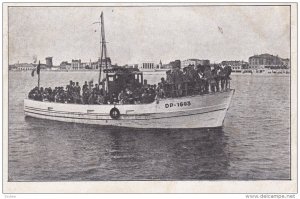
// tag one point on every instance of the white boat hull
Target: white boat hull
(202, 111)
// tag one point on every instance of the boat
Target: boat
(184, 112)
(202, 111)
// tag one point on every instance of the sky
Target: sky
(148, 34)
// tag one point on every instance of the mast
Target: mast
(103, 51)
(38, 70)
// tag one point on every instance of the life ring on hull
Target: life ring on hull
(114, 113)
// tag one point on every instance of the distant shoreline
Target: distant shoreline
(262, 74)
(156, 72)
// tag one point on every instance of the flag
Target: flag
(32, 73)
(38, 68)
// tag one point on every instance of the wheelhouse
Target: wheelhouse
(118, 79)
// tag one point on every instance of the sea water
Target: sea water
(254, 143)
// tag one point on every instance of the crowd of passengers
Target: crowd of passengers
(190, 81)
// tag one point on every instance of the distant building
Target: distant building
(55, 68)
(96, 64)
(236, 65)
(84, 65)
(166, 66)
(65, 65)
(76, 64)
(176, 64)
(49, 62)
(131, 66)
(104, 62)
(195, 62)
(159, 66)
(44, 67)
(24, 66)
(267, 61)
(12, 67)
(172, 64)
(147, 66)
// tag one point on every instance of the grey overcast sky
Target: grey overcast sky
(137, 34)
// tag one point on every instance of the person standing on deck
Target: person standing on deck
(164, 86)
(178, 81)
(85, 93)
(201, 78)
(227, 72)
(207, 79)
(217, 77)
(222, 77)
(85, 86)
(121, 97)
(77, 93)
(213, 79)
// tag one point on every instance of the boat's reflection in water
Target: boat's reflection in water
(109, 153)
